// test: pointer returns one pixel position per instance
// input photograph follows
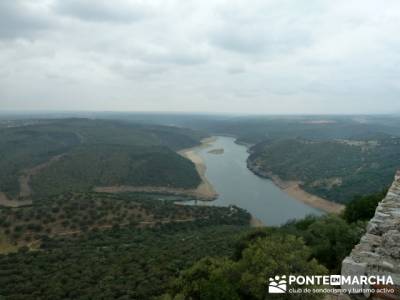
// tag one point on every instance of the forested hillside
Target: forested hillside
(23, 148)
(90, 166)
(337, 170)
(52, 156)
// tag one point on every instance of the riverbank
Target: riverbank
(293, 189)
(205, 190)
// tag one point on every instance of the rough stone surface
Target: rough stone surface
(378, 252)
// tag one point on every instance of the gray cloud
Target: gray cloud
(269, 27)
(236, 69)
(182, 58)
(19, 20)
(102, 10)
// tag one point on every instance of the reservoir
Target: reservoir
(237, 185)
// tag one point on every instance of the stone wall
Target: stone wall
(378, 252)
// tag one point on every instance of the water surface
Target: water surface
(237, 185)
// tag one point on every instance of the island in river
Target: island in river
(216, 151)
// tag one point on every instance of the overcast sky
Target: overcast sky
(251, 56)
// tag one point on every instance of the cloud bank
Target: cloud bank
(257, 56)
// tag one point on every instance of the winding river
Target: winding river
(237, 185)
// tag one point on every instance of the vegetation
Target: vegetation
(330, 238)
(23, 148)
(336, 170)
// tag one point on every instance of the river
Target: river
(237, 185)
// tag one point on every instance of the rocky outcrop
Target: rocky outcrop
(378, 252)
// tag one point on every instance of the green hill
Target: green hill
(89, 166)
(93, 152)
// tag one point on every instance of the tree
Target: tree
(275, 255)
(247, 278)
(331, 239)
(363, 208)
(210, 278)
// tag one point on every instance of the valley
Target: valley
(142, 206)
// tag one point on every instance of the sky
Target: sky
(251, 56)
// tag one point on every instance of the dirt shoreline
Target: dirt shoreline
(205, 189)
(293, 189)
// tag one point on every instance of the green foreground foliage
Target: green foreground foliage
(314, 245)
(120, 263)
(216, 257)
(247, 278)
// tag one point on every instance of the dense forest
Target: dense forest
(91, 166)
